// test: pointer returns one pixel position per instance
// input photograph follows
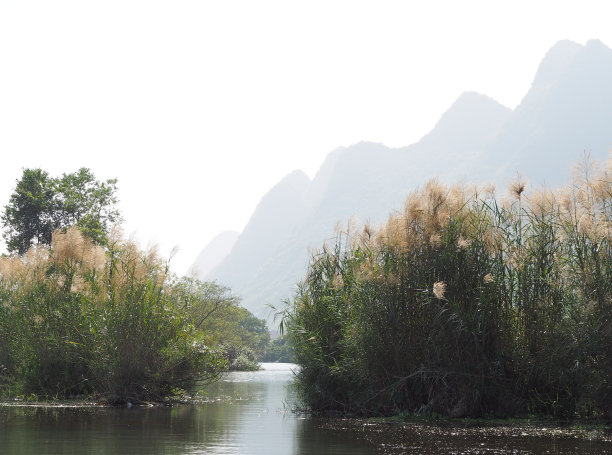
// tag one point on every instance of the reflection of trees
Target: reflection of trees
(222, 425)
(161, 430)
(312, 436)
(249, 419)
(110, 430)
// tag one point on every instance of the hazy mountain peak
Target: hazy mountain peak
(569, 63)
(595, 54)
(472, 104)
(596, 43)
(471, 115)
(297, 179)
(556, 61)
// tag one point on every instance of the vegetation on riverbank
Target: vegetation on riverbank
(85, 313)
(77, 319)
(241, 338)
(464, 305)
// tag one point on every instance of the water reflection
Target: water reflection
(248, 413)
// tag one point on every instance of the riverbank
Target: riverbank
(475, 436)
(245, 411)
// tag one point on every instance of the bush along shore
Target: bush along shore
(80, 320)
(464, 305)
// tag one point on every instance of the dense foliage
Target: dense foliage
(40, 204)
(279, 350)
(464, 305)
(77, 319)
(217, 315)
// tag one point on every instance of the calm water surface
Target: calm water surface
(247, 413)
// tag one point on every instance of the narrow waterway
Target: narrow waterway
(245, 413)
(249, 413)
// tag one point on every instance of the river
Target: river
(250, 413)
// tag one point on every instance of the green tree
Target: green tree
(41, 204)
(83, 201)
(27, 217)
(217, 314)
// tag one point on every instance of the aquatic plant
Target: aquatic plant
(77, 319)
(464, 304)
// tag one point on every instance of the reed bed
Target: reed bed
(79, 320)
(464, 304)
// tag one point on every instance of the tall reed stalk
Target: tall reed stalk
(462, 304)
(78, 320)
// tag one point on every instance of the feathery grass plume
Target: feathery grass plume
(94, 258)
(12, 269)
(458, 196)
(36, 256)
(603, 228)
(585, 170)
(439, 289)
(69, 246)
(585, 224)
(602, 188)
(543, 203)
(488, 191)
(436, 194)
(566, 201)
(493, 240)
(462, 243)
(394, 233)
(517, 187)
(435, 240)
(413, 207)
(80, 285)
(367, 233)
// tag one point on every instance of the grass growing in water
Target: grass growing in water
(80, 320)
(463, 305)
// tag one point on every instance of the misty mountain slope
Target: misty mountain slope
(568, 109)
(213, 254)
(276, 214)
(366, 181)
(369, 180)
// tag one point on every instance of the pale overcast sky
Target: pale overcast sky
(200, 107)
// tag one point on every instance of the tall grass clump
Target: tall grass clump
(463, 304)
(77, 319)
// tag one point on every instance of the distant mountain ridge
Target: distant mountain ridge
(567, 110)
(213, 254)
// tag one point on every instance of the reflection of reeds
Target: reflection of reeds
(518, 318)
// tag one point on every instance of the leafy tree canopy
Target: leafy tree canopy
(41, 204)
(218, 314)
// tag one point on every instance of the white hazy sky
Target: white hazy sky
(200, 107)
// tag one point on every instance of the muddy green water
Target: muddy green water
(247, 413)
